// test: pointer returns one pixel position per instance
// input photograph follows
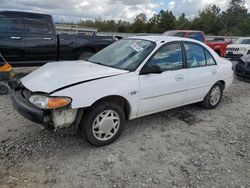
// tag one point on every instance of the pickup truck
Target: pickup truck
(219, 47)
(30, 39)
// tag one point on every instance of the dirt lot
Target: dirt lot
(184, 147)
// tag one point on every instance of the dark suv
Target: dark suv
(31, 39)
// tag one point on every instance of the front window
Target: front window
(242, 41)
(125, 54)
(168, 57)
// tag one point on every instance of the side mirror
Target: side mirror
(150, 69)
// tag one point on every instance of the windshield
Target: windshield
(242, 41)
(126, 54)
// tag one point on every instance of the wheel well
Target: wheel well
(86, 49)
(119, 100)
(218, 51)
(223, 83)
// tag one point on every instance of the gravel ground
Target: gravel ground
(184, 147)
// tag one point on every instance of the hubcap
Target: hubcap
(106, 125)
(215, 95)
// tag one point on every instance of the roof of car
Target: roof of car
(186, 31)
(23, 14)
(163, 38)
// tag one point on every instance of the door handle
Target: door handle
(47, 38)
(214, 71)
(179, 77)
(16, 38)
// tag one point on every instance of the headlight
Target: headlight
(242, 49)
(49, 102)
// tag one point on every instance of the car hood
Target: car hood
(54, 76)
(238, 45)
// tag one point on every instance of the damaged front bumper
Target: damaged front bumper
(26, 109)
(56, 119)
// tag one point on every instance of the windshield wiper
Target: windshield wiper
(112, 66)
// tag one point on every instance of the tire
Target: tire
(210, 103)
(4, 90)
(90, 128)
(85, 55)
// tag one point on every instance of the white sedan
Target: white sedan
(131, 78)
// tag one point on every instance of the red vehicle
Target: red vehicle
(219, 46)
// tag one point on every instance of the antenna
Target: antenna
(3, 58)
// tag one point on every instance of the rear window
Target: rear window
(38, 26)
(197, 36)
(174, 33)
(11, 25)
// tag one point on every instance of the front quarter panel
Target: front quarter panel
(86, 94)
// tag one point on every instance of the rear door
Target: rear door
(201, 69)
(41, 41)
(12, 45)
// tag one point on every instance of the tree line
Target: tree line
(235, 20)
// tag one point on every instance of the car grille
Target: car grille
(233, 49)
(26, 93)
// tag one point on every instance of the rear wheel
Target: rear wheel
(213, 97)
(103, 123)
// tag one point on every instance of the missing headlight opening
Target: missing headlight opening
(63, 118)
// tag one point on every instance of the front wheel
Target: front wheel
(103, 123)
(213, 97)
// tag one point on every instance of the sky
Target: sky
(74, 10)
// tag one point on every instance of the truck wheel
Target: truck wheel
(85, 55)
(103, 123)
(4, 90)
(213, 97)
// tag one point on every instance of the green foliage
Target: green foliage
(233, 21)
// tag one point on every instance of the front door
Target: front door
(167, 90)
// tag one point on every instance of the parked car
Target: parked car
(131, 78)
(219, 46)
(238, 49)
(242, 68)
(31, 39)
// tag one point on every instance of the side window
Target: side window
(38, 26)
(195, 55)
(197, 36)
(209, 58)
(169, 57)
(11, 25)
